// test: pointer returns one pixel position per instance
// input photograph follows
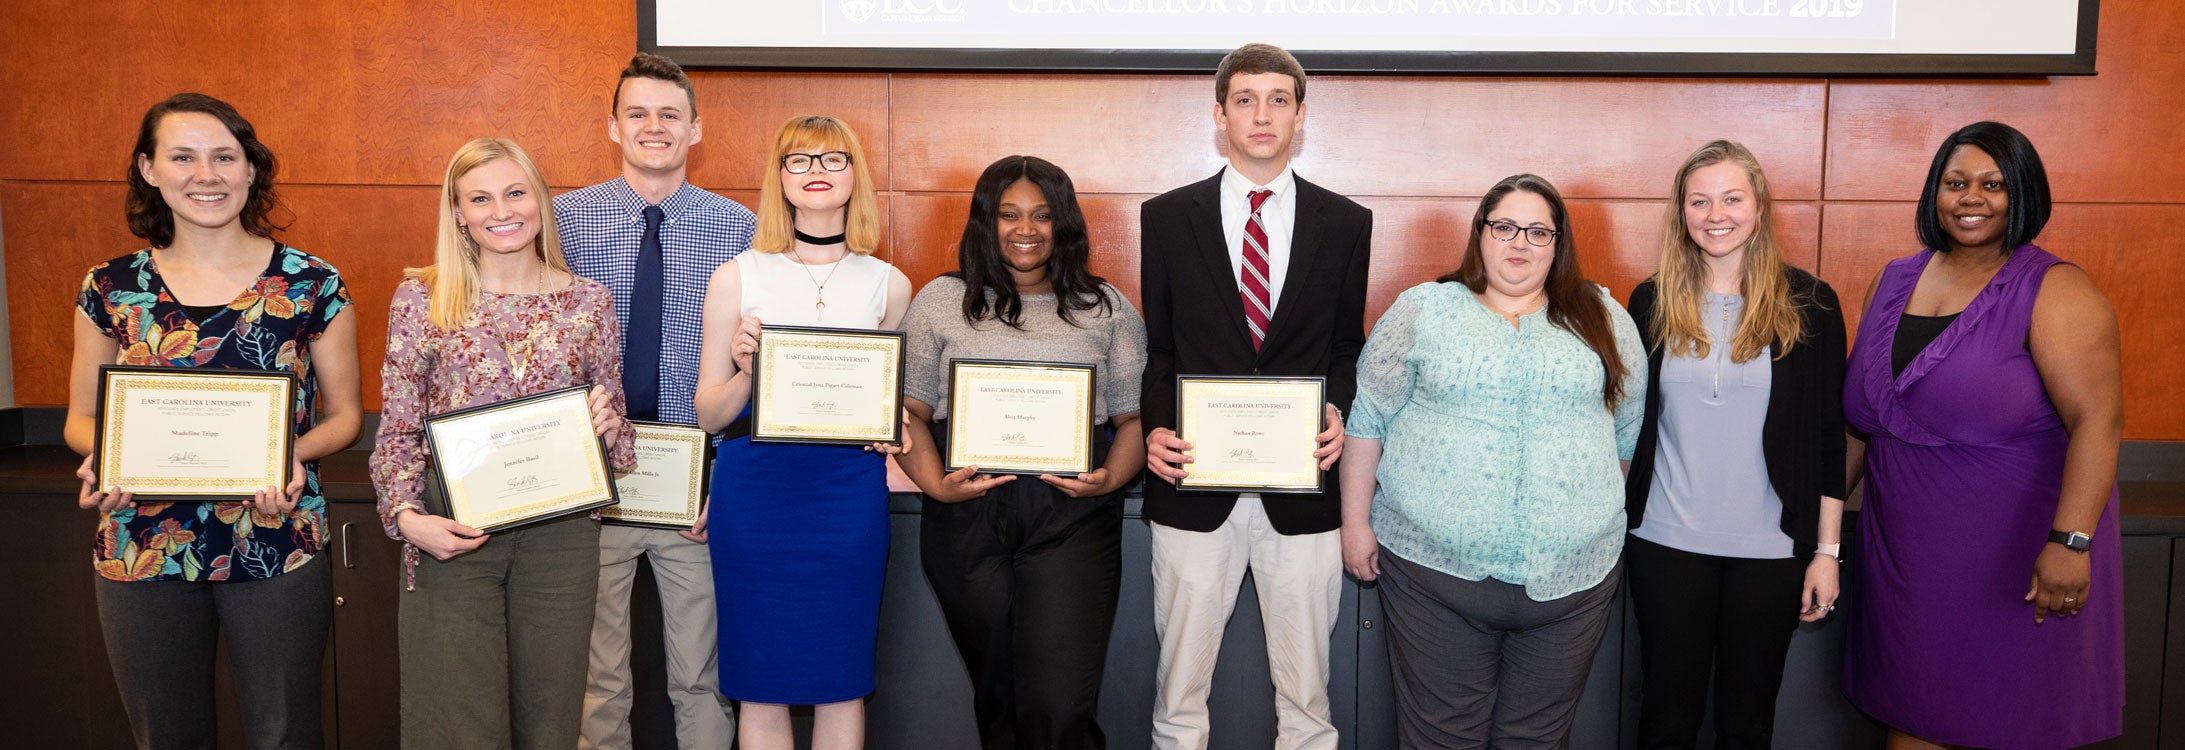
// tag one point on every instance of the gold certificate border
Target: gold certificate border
(460, 506)
(120, 384)
(694, 442)
(1081, 451)
(1191, 391)
(774, 345)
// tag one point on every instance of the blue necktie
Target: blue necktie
(641, 348)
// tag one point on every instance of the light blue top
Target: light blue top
(1711, 493)
(1498, 459)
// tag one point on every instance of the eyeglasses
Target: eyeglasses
(1506, 231)
(832, 161)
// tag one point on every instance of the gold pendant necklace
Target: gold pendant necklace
(518, 349)
(819, 299)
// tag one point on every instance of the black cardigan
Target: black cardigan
(1803, 440)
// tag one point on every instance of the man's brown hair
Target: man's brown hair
(649, 65)
(1256, 58)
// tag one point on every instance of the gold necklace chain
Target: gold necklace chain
(820, 298)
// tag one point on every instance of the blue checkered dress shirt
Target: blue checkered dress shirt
(601, 228)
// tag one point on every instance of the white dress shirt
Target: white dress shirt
(1278, 217)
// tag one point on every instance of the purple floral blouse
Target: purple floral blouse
(573, 340)
(270, 326)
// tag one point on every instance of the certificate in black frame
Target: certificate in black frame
(1183, 428)
(895, 422)
(955, 402)
(580, 391)
(705, 481)
(287, 430)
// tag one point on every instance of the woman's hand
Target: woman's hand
(900, 447)
(273, 501)
(697, 531)
(1822, 588)
(966, 484)
(1092, 484)
(2060, 578)
(745, 344)
(440, 537)
(605, 422)
(1166, 454)
(1361, 552)
(1331, 440)
(91, 498)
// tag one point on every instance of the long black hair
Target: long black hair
(149, 215)
(2025, 182)
(978, 255)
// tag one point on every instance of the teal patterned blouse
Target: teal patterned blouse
(270, 326)
(1498, 459)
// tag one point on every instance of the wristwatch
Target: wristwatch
(2072, 540)
(1835, 551)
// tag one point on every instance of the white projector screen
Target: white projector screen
(1612, 37)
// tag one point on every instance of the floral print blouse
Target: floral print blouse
(269, 327)
(573, 340)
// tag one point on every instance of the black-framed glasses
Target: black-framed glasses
(1506, 231)
(832, 161)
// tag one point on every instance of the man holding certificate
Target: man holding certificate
(654, 239)
(1252, 272)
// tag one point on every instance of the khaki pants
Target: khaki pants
(684, 571)
(493, 641)
(1196, 576)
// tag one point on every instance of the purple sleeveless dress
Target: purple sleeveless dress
(1965, 461)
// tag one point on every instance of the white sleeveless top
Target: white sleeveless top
(781, 291)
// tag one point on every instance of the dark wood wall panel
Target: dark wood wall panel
(364, 104)
(2109, 138)
(2106, 240)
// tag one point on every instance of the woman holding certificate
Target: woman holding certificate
(495, 629)
(1015, 561)
(214, 292)
(1493, 408)
(1733, 494)
(799, 532)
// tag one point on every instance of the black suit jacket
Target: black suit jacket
(1195, 326)
(1802, 441)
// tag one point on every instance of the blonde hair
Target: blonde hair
(777, 219)
(452, 279)
(1771, 313)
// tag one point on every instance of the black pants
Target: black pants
(1698, 614)
(162, 637)
(1027, 578)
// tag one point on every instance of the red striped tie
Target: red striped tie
(1258, 303)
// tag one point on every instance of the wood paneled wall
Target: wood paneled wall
(364, 101)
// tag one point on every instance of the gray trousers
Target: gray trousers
(162, 636)
(1478, 664)
(494, 642)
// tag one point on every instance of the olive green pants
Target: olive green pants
(494, 642)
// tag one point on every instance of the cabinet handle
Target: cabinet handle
(338, 601)
(346, 538)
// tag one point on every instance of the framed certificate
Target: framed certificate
(827, 385)
(528, 459)
(1020, 417)
(184, 434)
(668, 487)
(1251, 434)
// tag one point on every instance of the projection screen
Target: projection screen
(1592, 37)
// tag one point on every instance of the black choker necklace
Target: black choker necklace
(811, 240)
